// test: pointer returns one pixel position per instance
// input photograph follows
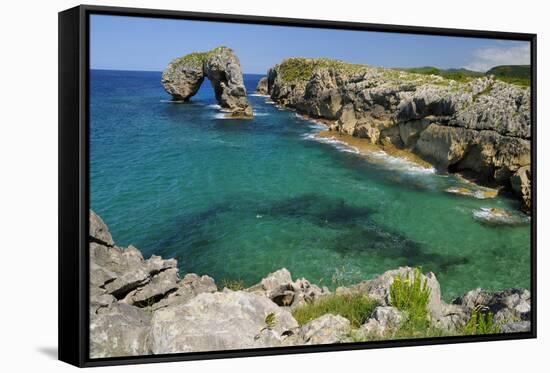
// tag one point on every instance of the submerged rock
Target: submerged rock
(481, 193)
(497, 216)
(183, 77)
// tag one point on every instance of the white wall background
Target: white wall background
(28, 183)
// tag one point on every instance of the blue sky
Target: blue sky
(132, 43)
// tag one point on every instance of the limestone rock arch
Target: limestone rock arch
(184, 75)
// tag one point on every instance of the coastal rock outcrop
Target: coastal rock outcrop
(220, 321)
(125, 289)
(384, 321)
(141, 306)
(261, 87)
(325, 329)
(521, 184)
(480, 127)
(379, 289)
(279, 287)
(183, 77)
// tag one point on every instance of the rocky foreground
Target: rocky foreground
(184, 75)
(481, 127)
(142, 306)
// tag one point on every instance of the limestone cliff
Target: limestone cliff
(183, 77)
(480, 127)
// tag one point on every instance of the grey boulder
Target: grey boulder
(220, 321)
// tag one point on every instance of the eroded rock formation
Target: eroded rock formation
(141, 306)
(261, 87)
(481, 128)
(183, 77)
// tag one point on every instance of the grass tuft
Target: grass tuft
(357, 308)
(411, 295)
(234, 285)
(481, 323)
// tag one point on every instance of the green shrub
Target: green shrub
(234, 285)
(481, 323)
(355, 307)
(270, 320)
(411, 296)
(298, 69)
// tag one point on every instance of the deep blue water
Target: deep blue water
(237, 199)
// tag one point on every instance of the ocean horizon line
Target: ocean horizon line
(153, 71)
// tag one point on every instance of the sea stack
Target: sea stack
(261, 88)
(184, 75)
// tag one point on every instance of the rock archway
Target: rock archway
(184, 75)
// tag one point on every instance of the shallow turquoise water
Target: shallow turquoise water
(237, 199)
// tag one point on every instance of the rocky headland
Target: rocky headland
(480, 127)
(184, 75)
(144, 306)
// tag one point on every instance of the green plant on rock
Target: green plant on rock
(481, 323)
(357, 308)
(411, 294)
(270, 320)
(234, 285)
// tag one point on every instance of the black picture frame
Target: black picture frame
(73, 249)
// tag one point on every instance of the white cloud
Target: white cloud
(485, 58)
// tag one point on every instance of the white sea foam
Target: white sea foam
(378, 157)
(222, 116)
(401, 164)
(214, 106)
(258, 95)
(312, 122)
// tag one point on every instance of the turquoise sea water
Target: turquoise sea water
(237, 199)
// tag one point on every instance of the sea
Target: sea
(237, 199)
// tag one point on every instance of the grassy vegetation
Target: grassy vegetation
(411, 295)
(513, 74)
(357, 308)
(481, 323)
(485, 91)
(234, 285)
(459, 75)
(196, 60)
(270, 320)
(301, 69)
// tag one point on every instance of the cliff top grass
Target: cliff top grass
(299, 69)
(517, 75)
(195, 60)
